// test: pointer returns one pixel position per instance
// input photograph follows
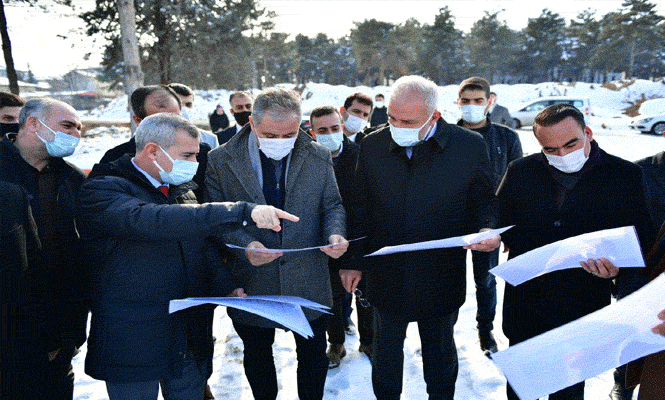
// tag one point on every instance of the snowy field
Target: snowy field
(478, 377)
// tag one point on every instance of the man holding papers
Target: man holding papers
(418, 179)
(270, 161)
(572, 187)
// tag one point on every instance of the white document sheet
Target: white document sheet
(619, 245)
(440, 243)
(285, 310)
(232, 246)
(598, 342)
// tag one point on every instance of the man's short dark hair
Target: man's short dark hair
(241, 93)
(380, 95)
(556, 113)
(181, 89)
(10, 100)
(361, 98)
(319, 112)
(474, 83)
(137, 99)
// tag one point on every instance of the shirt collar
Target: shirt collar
(154, 182)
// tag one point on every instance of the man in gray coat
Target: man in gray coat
(270, 161)
(499, 114)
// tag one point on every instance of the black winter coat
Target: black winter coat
(653, 169)
(147, 250)
(610, 195)
(444, 191)
(503, 147)
(58, 289)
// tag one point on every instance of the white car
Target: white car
(525, 114)
(654, 124)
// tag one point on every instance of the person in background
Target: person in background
(187, 97)
(499, 114)
(327, 130)
(10, 107)
(270, 161)
(380, 112)
(145, 234)
(570, 188)
(355, 113)
(241, 109)
(503, 147)
(418, 178)
(55, 295)
(149, 100)
(218, 120)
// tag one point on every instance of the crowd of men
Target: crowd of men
(151, 221)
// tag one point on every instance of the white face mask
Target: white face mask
(472, 113)
(276, 148)
(183, 171)
(571, 162)
(333, 141)
(354, 124)
(63, 145)
(378, 104)
(407, 137)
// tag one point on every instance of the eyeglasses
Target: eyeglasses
(361, 299)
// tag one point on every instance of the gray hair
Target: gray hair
(422, 87)
(280, 104)
(40, 108)
(161, 129)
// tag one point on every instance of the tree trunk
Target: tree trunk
(130, 49)
(7, 50)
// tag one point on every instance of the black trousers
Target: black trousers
(29, 375)
(337, 319)
(260, 365)
(438, 350)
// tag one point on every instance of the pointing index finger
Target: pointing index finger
(285, 215)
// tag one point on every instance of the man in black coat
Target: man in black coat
(653, 170)
(380, 112)
(149, 100)
(503, 146)
(355, 113)
(327, 130)
(572, 187)
(32, 159)
(241, 109)
(146, 233)
(418, 179)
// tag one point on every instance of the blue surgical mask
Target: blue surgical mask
(332, 141)
(473, 114)
(354, 124)
(407, 137)
(182, 171)
(63, 145)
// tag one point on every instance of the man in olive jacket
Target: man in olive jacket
(418, 179)
(270, 161)
(146, 234)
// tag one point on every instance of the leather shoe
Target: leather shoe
(619, 392)
(335, 354)
(367, 349)
(487, 343)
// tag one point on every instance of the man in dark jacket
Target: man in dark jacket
(149, 100)
(32, 159)
(241, 109)
(10, 107)
(380, 112)
(418, 179)
(653, 170)
(572, 187)
(146, 233)
(270, 161)
(218, 120)
(327, 130)
(355, 113)
(503, 146)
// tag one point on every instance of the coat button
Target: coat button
(244, 223)
(557, 223)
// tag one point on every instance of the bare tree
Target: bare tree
(7, 51)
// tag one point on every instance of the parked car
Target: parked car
(654, 124)
(525, 114)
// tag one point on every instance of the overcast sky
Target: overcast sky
(52, 44)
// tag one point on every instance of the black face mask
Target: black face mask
(242, 118)
(8, 128)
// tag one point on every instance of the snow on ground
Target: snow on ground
(478, 377)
